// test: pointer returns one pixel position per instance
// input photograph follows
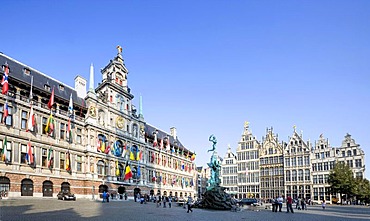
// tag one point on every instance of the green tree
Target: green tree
(362, 190)
(341, 179)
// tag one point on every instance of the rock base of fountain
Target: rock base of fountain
(217, 199)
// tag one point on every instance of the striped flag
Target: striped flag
(5, 82)
(6, 112)
(68, 162)
(155, 140)
(128, 172)
(4, 151)
(50, 125)
(29, 154)
(50, 158)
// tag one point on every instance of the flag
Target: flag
(4, 152)
(50, 158)
(5, 82)
(50, 125)
(98, 144)
(139, 155)
(102, 146)
(31, 122)
(153, 158)
(69, 131)
(138, 171)
(155, 140)
(132, 153)
(29, 154)
(118, 173)
(246, 171)
(168, 145)
(6, 112)
(70, 107)
(51, 101)
(193, 157)
(68, 162)
(128, 172)
(107, 149)
(161, 144)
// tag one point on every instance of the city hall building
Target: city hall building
(58, 138)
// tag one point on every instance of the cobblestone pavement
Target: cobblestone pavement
(52, 209)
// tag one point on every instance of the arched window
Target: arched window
(65, 187)
(4, 184)
(101, 167)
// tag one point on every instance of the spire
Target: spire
(141, 106)
(91, 80)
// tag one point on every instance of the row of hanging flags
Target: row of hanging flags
(31, 123)
(175, 181)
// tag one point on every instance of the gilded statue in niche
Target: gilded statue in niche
(92, 111)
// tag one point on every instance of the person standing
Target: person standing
(169, 202)
(189, 204)
(104, 196)
(289, 202)
(280, 202)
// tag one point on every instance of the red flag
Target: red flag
(5, 82)
(51, 101)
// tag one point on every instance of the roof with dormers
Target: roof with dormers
(17, 73)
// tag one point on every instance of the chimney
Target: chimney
(80, 86)
(173, 132)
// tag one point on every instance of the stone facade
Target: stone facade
(109, 134)
(298, 168)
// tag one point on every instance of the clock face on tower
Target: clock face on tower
(120, 122)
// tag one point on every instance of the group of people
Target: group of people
(277, 204)
(163, 200)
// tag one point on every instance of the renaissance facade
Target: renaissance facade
(298, 168)
(58, 138)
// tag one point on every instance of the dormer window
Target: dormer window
(61, 87)
(26, 71)
(47, 87)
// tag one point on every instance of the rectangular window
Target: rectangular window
(24, 152)
(61, 162)
(300, 161)
(319, 166)
(62, 131)
(321, 179)
(44, 122)
(79, 163)
(307, 160)
(9, 118)
(79, 135)
(44, 153)
(326, 166)
(358, 163)
(294, 162)
(24, 120)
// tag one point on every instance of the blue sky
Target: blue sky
(205, 67)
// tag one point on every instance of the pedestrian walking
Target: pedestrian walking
(189, 202)
(289, 202)
(323, 204)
